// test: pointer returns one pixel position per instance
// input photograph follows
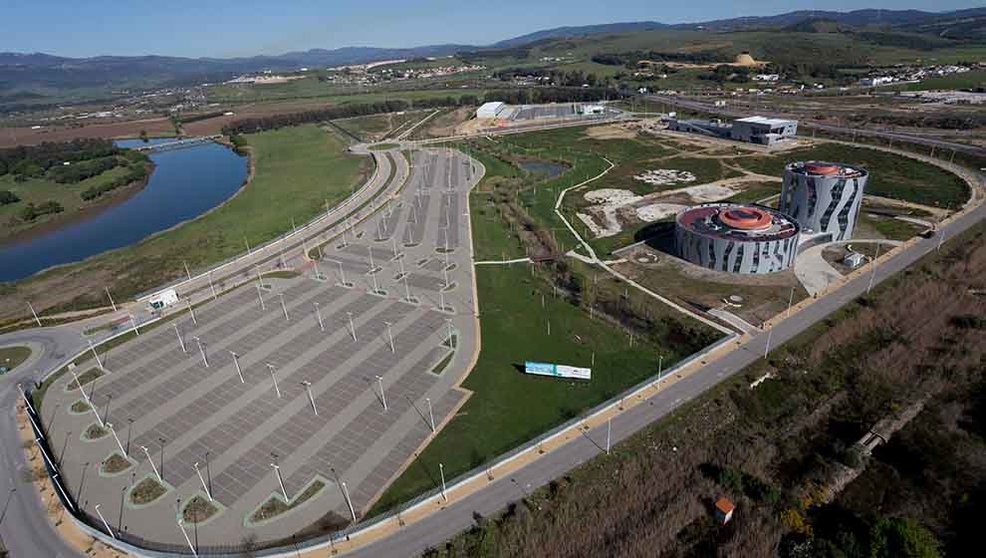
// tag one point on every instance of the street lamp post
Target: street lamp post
(205, 359)
(202, 480)
(318, 316)
(105, 524)
(181, 342)
(311, 398)
(441, 471)
(133, 322)
(273, 377)
(95, 354)
(283, 307)
(236, 363)
(151, 461)
(390, 336)
(352, 326)
(383, 396)
(280, 481)
(431, 415)
(190, 310)
(109, 296)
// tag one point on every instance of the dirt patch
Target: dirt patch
(127, 129)
(613, 131)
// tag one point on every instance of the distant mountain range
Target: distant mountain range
(22, 76)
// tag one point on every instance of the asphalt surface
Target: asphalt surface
(458, 515)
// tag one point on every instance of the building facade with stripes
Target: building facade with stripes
(823, 197)
(735, 238)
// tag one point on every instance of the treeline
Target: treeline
(77, 172)
(137, 170)
(631, 59)
(274, 121)
(32, 212)
(553, 95)
(32, 161)
(558, 78)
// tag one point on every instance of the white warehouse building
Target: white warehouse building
(490, 110)
(766, 131)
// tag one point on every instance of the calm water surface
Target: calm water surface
(185, 184)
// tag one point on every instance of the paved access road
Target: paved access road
(458, 515)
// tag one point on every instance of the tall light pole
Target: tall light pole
(342, 275)
(205, 359)
(108, 295)
(283, 307)
(349, 501)
(352, 326)
(181, 525)
(202, 480)
(273, 377)
(873, 275)
(117, 438)
(790, 301)
(211, 286)
(95, 354)
(766, 348)
(151, 461)
(187, 272)
(383, 396)
(236, 363)
(181, 342)
(431, 415)
(609, 433)
(133, 322)
(260, 295)
(105, 524)
(33, 313)
(191, 312)
(390, 336)
(280, 481)
(441, 471)
(318, 316)
(311, 398)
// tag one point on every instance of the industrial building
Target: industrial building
(766, 131)
(824, 198)
(490, 110)
(752, 129)
(734, 238)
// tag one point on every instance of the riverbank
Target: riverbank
(292, 173)
(87, 210)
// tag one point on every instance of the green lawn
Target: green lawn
(891, 175)
(376, 127)
(509, 407)
(298, 170)
(12, 357)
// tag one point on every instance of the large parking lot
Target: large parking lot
(330, 380)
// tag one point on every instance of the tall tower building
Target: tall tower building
(823, 197)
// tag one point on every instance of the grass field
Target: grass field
(298, 170)
(891, 176)
(12, 357)
(508, 407)
(376, 127)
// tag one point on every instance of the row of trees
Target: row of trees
(571, 78)
(631, 59)
(29, 161)
(515, 96)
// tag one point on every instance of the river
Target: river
(185, 183)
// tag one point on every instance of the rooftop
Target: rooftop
(767, 121)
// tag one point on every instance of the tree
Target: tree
(143, 136)
(7, 197)
(903, 537)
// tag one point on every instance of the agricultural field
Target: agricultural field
(376, 127)
(295, 172)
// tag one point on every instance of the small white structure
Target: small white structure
(592, 109)
(163, 299)
(490, 110)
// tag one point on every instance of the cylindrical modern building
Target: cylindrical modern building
(824, 198)
(736, 238)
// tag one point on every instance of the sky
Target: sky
(228, 28)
